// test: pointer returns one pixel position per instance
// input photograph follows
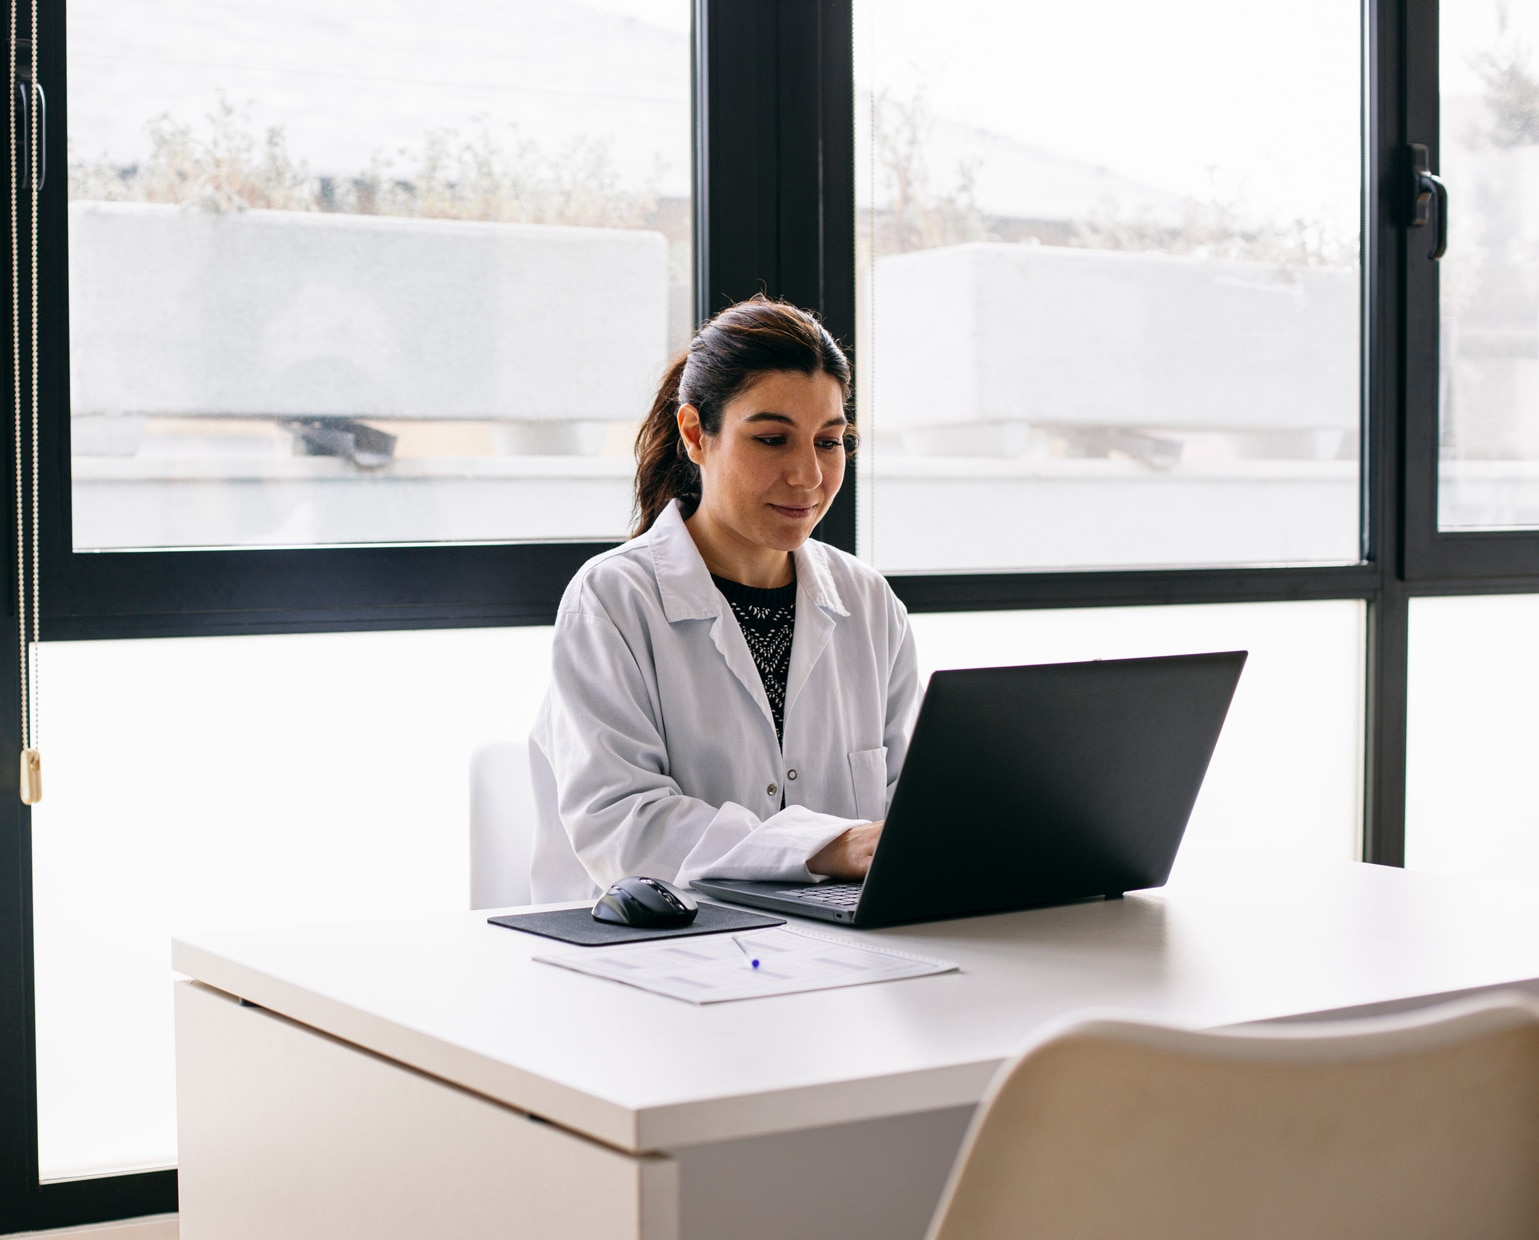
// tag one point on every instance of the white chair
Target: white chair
(1418, 1127)
(501, 824)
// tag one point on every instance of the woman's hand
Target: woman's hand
(848, 856)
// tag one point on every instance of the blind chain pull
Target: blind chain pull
(29, 156)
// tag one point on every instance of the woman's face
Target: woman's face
(768, 476)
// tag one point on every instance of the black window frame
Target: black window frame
(775, 210)
(1442, 561)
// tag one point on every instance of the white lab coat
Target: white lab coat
(655, 751)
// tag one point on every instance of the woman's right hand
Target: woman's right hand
(847, 856)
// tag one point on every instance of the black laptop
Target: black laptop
(1027, 786)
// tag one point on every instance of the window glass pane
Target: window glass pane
(314, 803)
(1286, 776)
(202, 783)
(1488, 475)
(1109, 305)
(1473, 733)
(385, 272)
(299, 790)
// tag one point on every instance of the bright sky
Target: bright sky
(1259, 101)
(349, 79)
(1469, 27)
(1257, 104)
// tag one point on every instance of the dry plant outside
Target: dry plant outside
(228, 167)
(918, 215)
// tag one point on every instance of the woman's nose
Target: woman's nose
(804, 471)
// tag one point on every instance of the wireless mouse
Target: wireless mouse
(646, 904)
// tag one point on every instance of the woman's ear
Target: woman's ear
(692, 433)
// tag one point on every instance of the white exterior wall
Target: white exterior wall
(1490, 335)
(177, 311)
(1064, 337)
(290, 314)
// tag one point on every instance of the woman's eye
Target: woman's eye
(771, 441)
(830, 445)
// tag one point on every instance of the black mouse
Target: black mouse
(646, 904)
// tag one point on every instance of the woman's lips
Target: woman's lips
(795, 512)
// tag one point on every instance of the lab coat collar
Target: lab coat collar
(688, 593)
(816, 582)
(685, 583)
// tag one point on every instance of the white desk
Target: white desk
(385, 1083)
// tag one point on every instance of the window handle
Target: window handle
(24, 133)
(1425, 185)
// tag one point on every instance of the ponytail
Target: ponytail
(663, 472)
(741, 343)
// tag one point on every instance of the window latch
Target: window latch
(1426, 185)
(24, 95)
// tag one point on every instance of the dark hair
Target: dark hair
(735, 348)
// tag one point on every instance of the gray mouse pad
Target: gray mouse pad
(576, 925)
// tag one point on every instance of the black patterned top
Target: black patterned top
(768, 621)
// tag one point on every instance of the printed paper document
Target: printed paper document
(717, 968)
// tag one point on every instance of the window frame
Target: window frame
(762, 154)
(1442, 560)
(774, 180)
(773, 124)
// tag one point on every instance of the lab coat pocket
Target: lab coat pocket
(868, 772)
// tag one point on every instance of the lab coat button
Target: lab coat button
(772, 789)
(791, 774)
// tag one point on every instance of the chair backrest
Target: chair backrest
(501, 824)
(1413, 1126)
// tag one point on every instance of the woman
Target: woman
(728, 698)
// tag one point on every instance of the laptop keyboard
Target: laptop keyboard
(833, 895)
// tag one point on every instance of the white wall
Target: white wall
(360, 316)
(1286, 774)
(192, 783)
(1472, 736)
(992, 332)
(197, 783)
